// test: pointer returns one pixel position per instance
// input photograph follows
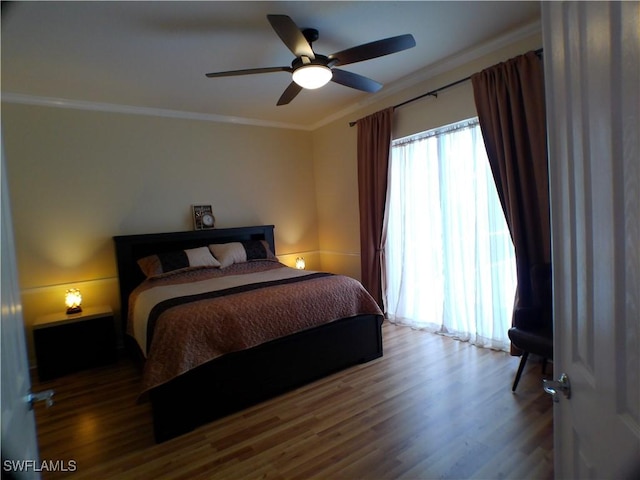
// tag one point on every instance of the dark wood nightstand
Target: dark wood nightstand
(69, 343)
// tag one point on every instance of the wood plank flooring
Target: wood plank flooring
(431, 407)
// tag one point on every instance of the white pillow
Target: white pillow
(240, 252)
(229, 253)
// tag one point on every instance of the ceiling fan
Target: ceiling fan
(311, 70)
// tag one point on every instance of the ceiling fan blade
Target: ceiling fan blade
(291, 35)
(375, 49)
(353, 80)
(289, 94)
(249, 71)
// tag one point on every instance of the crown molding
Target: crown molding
(438, 68)
(25, 99)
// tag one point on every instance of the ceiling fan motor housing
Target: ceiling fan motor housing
(302, 61)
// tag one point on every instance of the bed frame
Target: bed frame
(235, 381)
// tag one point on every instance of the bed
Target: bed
(252, 371)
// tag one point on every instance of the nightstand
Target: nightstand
(69, 343)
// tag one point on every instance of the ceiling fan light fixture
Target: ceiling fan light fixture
(312, 76)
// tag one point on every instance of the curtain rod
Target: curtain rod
(434, 93)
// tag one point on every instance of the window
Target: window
(449, 259)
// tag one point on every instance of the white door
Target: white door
(19, 444)
(592, 76)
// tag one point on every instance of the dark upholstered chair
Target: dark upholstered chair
(532, 330)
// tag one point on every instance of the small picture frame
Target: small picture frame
(203, 218)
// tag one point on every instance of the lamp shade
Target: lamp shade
(312, 76)
(72, 300)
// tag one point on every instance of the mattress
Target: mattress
(184, 320)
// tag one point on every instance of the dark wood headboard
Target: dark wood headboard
(130, 248)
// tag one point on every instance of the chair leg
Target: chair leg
(523, 361)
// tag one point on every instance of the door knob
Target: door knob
(44, 396)
(552, 387)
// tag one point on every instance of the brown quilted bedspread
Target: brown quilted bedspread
(188, 335)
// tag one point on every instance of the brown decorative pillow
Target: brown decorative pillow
(178, 261)
(240, 252)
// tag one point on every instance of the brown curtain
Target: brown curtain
(510, 101)
(374, 142)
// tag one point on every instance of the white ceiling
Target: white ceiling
(155, 54)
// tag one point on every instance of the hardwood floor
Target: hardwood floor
(431, 407)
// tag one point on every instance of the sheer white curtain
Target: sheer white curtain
(449, 258)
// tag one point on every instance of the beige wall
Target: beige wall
(335, 151)
(336, 173)
(77, 178)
